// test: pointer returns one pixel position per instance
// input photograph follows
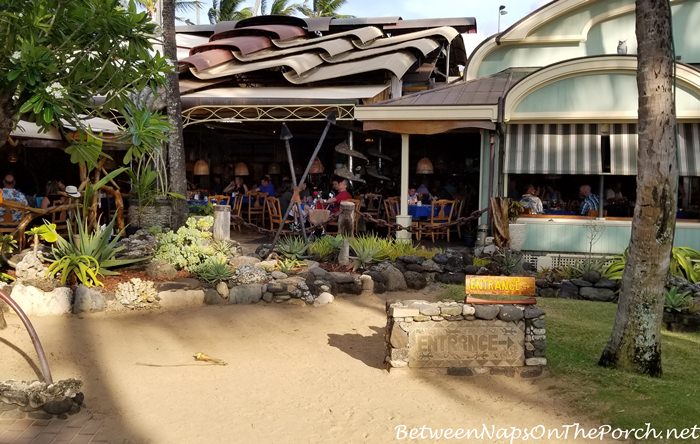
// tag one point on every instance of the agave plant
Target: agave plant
(677, 302)
(367, 249)
(685, 262)
(214, 271)
(326, 248)
(291, 247)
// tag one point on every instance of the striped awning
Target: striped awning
(553, 149)
(689, 149)
(623, 149)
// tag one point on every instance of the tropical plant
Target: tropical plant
(228, 10)
(224, 247)
(508, 261)
(291, 247)
(685, 262)
(482, 261)
(47, 233)
(326, 248)
(288, 265)
(214, 271)
(98, 245)
(180, 6)
(190, 246)
(280, 7)
(202, 210)
(615, 269)
(367, 249)
(677, 302)
(322, 8)
(515, 209)
(76, 268)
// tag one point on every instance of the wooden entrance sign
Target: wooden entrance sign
(500, 290)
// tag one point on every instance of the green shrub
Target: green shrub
(367, 249)
(76, 269)
(326, 248)
(677, 302)
(214, 271)
(685, 262)
(190, 246)
(288, 266)
(291, 247)
(508, 261)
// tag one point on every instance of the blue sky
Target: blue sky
(485, 11)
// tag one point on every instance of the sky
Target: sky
(485, 12)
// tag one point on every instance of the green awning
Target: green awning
(623, 149)
(689, 149)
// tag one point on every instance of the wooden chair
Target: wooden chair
(236, 209)
(332, 226)
(256, 206)
(391, 210)
(440, 217)
(220, 199)
(274, 212)
(372, 204)
(456, 214)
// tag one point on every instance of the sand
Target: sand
(295, 374)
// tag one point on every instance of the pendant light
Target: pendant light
(424, 166)
(201, 168)
(241, 169)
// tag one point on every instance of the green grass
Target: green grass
(452, 292)
(577, 331)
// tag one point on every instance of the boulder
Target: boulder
(547, 292)
(510, 313)
(264, 250)
(354, 287)
(36, 302)
(323, 299)
(455, 263)
(415, 281)
(222, 289)
(249, 274)
(440, 258)
(341, 278)
(411, 259)
(486, 312)
(532, 312)
(30, 267)
(88, 300)
(591, 276)
(268, 297)
(393, 278)
(581, 283)
(431, 266)
(278, 275)
(450, 278)
(471, 269)
(542, 283)
(181, 298)
(161, 270)
(597, 294)
(415, 267)
(568, 290)
(212, 297)
(246, 294)
(242, 260)
(606, 283)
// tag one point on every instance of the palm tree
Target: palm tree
(322, 8)
(279, 7)
(180, 6)
(225, 10)
(635, 340)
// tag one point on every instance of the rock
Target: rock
(246, 294)
(181, 298)
(468, 310)
(58, 407)
(393, 278)
(421, 318)
(471, 269)
(591, 276)
(36, 302)
(180, 284)
(536, 361)
(276, 287)
(282, 298)
(222, 289)
(451, 310)
(398, 363)
(428, 309)
(161, 270)
(542, 283)
(297, 302)
(486, 312)
(547, 292)
(399, 311)
(455, 263)
(568, 290)
(606, 283)
(88, 300)
(341, 278)
(264, 250)
(30, 267)
(212, 297)
(440, 258)
(366, 283)
(411, 259)
(483, 271)
(415, 281)
(532, 312)
(581, 283)
(431, 266)
(538, 323)
(249, 274)
(278, 275)
(354, 287)
(450, 278)
(510, 313)
(597, 294)
(268, 297)
(268, 265)
(398, 337)
(320, 274)
(242, 260)
(415, 267)
(141, 244)
(324, 298)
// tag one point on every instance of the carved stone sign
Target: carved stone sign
(500, 285)
(467, 344)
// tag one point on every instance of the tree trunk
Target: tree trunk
(176, 151)
(7, 115)
(635, 340)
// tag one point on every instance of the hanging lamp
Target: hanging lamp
(241, 169)
(201, 168)
(424, 166)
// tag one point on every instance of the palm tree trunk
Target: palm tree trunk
(176, 151)
(635, 341)
(7, 114)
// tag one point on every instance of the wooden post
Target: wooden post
(346, 219)
(222, 222)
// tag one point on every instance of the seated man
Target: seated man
(531, 201)
(590, 200)
(266, 186)
(343, 194)
(10, 193)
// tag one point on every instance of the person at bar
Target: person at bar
(531, 201)
(236, 186)
(590, 200)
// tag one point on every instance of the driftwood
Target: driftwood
(28, 215)
(499, 213)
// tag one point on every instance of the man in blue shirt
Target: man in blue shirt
(10, 193)
(266, 186)
(590, 200)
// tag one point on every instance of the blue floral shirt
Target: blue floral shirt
(17, 196)
(590, 203)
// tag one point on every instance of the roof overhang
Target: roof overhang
(488, 113)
